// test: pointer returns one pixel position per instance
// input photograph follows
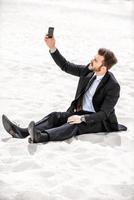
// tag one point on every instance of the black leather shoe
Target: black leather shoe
(11, 128)
(36, 136)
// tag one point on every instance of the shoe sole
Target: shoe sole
(31, 132)
(6, 123)
(8, 127)
(30, 141)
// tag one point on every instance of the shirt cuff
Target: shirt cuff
(52, 50)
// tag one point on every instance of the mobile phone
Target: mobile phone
(50, 32)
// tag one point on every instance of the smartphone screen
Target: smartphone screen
(50, 32)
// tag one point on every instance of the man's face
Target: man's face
(97, 63)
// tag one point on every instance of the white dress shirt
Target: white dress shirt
(87, 104)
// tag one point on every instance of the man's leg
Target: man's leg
(67, 131)
(61, 130)
(54, 119)
(84, 128)
(54, 127)
(60, 133)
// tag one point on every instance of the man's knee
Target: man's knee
(55, 114)
(59, 115)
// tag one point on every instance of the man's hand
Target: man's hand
(50, 42)
(75, 119)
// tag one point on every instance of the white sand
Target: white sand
(88, 167)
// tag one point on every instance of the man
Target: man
(91, 111)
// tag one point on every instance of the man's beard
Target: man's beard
(94, 69)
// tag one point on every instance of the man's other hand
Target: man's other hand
(50, 42)
(74, 119)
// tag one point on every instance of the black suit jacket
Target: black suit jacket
(104, 99)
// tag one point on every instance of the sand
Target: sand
(87, 167)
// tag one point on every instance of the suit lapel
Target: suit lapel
(85, 83)
(90, 82)
(103, 81)
(87, 79)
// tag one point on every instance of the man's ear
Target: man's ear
(104, 68)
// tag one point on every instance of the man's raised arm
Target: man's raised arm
(74, 69)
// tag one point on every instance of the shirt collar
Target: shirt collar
(98, 78)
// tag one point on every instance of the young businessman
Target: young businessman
(91, 111)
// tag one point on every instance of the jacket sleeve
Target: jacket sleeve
(107, 107)
(74, 69)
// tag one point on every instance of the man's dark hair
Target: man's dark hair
(109, 57)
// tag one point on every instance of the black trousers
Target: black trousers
(55, 124)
